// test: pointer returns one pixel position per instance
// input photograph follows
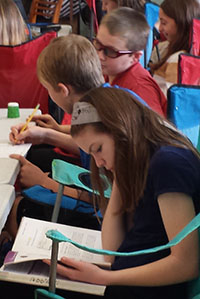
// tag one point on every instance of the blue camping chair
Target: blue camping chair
(152, 15)
(184, 110)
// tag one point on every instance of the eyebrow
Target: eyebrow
(111, 47)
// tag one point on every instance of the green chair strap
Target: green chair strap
(69, 174)
(190, 227)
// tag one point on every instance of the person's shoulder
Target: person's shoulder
(174, 57)
(171, 156)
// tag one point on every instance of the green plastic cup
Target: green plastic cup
(13, 110)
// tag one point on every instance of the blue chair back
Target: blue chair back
(152, 15)
(184, 110)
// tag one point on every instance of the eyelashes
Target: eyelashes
(99, 149)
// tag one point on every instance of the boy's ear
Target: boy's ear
(64, 89)
(137, 55)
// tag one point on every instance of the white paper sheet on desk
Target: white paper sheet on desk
(6, 149)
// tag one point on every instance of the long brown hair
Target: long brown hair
(137, 132)
(182, 12)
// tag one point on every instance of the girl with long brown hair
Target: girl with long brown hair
(176, 18)
(155, 174)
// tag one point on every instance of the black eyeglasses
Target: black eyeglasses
(109, 51)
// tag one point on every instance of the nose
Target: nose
(160, 28)
(99, 162)
(101, 54)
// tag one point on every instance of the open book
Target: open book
(24, 263)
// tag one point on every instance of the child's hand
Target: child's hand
(32, 134)
(81, 271)
(15, 131)
(46, 121)
(30, 175)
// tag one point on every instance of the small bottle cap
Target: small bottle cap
(13, 104)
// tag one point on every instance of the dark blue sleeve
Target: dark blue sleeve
(175, 170)
(85, 159)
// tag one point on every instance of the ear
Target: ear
(64, 89)
(137, 55)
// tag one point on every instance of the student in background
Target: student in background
(175, 24)
(156, 174)
(13, 30)
(121, 37)
(108, 5)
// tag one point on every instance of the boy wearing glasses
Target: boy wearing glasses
(121, 37)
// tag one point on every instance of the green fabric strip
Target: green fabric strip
(190, 227)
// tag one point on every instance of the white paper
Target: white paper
(32, 243)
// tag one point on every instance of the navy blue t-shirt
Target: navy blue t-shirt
(171, 170)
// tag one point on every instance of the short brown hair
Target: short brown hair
(128, 24)
(72, 60)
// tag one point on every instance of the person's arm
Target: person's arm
(47, 121)
(177, 210)
(31, 175)
(76, 193)
(113, 226)
(61, 140)
(181, 265)
(39, 135)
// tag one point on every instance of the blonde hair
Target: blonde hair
(129, 24)
(12, 25)
(70, 60)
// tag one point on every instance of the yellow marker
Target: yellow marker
(30, 118)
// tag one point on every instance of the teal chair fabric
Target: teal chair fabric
(69, 174)
(57, 237)
(193, 286)
(44, 294)
(184, 110)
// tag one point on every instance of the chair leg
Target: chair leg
(56, 209)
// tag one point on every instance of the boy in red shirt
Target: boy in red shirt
(121, 37)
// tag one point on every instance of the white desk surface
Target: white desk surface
(6, 123)
(9, 168)
(7, 197)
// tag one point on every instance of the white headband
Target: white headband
(84, 113)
